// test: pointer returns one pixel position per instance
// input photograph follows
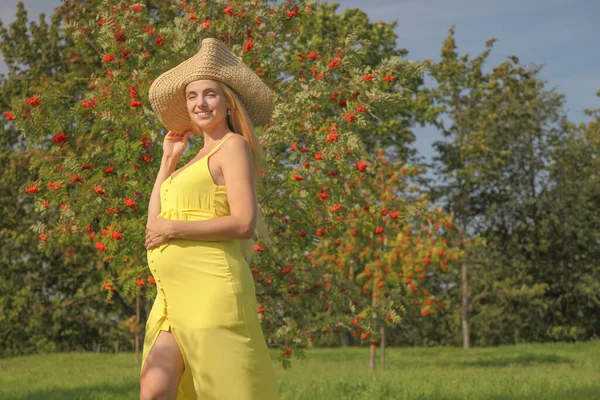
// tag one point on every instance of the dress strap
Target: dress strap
(210, 153)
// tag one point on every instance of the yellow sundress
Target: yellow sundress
(206, 296)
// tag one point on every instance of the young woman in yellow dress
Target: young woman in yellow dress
(203, 338)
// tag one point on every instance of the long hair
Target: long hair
(239, 122)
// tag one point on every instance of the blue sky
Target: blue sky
(560, 35)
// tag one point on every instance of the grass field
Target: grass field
(549, 372)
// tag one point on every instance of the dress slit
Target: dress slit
(155, 338)
(186, 377)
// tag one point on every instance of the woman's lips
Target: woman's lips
(204, 115)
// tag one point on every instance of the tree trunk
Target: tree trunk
(346, 339)
(137, 334)
(382, 347)
(372, 347)
(372, 357)
(128, 311)
(464, 306)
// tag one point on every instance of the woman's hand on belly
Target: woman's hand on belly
(158, 232)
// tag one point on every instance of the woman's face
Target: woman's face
(206, 104)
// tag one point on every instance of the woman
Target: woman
(203, 336)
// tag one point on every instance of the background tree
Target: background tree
(44, 306)
(570, 232)
(505, 129)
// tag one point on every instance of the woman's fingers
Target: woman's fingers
(173, 135)
(151, 243)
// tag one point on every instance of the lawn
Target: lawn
(533, 371)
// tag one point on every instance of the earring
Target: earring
(228, 111)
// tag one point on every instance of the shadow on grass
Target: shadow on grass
(519, 360)
(96, 392)
(580, 393)
(366, 392)
(350, 391)
(338, 390)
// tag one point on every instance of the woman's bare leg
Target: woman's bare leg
(162, 369)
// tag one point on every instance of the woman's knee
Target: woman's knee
(152, 389)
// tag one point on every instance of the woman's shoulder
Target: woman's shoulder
(235, 146)
(235, 153)
(237, 136)
(236, 141)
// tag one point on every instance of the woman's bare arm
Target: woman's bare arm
(173, 146)
(167, 166)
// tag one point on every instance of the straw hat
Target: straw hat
(216, 62)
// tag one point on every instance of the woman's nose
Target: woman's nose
(200, 102)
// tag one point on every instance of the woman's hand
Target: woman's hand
(158, 232)
(175, 143)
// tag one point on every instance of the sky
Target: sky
(558, 35)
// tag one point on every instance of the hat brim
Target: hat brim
(216, 62)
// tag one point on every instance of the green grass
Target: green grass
(551, 371)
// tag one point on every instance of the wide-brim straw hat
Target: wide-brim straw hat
(213, 61)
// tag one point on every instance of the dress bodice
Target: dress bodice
(192, 194)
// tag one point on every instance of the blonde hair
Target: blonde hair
(239, 122)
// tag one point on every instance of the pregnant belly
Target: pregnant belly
(197, 283)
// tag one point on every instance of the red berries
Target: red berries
(60, 139)
(34, 101)
(349, 117)
(108, 286)
(100, 246)
(117, 235)
(248, 45)
(129, 202)
(361, 166)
